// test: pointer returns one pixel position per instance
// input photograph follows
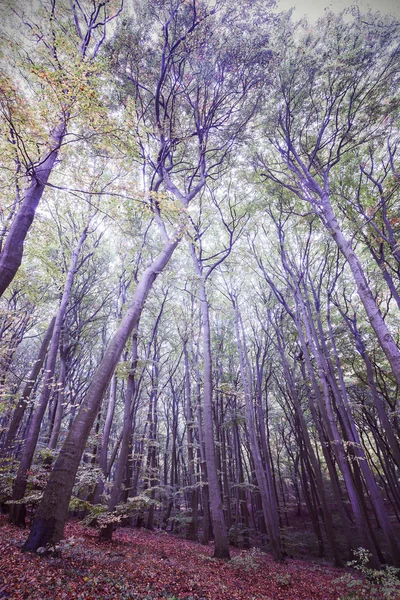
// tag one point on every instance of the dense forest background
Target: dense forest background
(199, 271)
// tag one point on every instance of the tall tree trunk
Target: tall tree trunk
(106, 532)
(60, 399)
(174, 461)
(359, 460)
(242, 512)
(374, 315)
(48, 525)
(203, 466)
(152, 453)
(263, 472)
(105, 438)
(329, 424)
(351, 322)
(312, 459)
(193, 493)
(217, 514)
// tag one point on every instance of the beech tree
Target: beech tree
(204, 265)
(68, 41)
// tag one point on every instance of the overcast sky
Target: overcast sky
(315, 8)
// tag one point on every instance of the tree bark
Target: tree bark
(106, 532)
(374, 315)
(221, 549)
(193, 494)
(103, 462)
(55, 432)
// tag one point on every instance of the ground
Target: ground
(143, 565)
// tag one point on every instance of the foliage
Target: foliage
(7, 474)
(37, 478)
(247, 560)
(99, 515)
(283, 580)
(86, 479)
(379, 585)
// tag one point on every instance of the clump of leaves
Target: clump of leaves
(86, 480)
(249, 560)
(239, 535)
(38, 476)
(376, 584)
(7, 474)
(283, 580)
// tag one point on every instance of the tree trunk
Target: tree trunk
(203, 466)
(374, 315)
(262, 471)
(106, 532)
(48, 525)
(217, 514)
(359, 459)
(11, 255)
(324, 405)
(105, 438)
(17, 514)
(193, 493)
(24, 399)
(60, 399)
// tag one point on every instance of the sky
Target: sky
(315, 8)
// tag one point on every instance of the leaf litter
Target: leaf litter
(143, 565)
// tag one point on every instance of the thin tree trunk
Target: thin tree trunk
(17, 514)
(324, 405)
(25, 396)
(263, 472)
(360, 460)
(60, 399)
(193, 494)
(203, 466)
(374, 315)
(106, 532)
(221, 549)
(241, 500)
(105, 439)
(380, 408)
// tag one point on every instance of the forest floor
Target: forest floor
(143, 565)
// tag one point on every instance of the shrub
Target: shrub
(375, 584)
(283, 580)
(249, 561)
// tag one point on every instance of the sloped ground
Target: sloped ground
(141, 565)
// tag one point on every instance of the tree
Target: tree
(263, 471)
(66, 70)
